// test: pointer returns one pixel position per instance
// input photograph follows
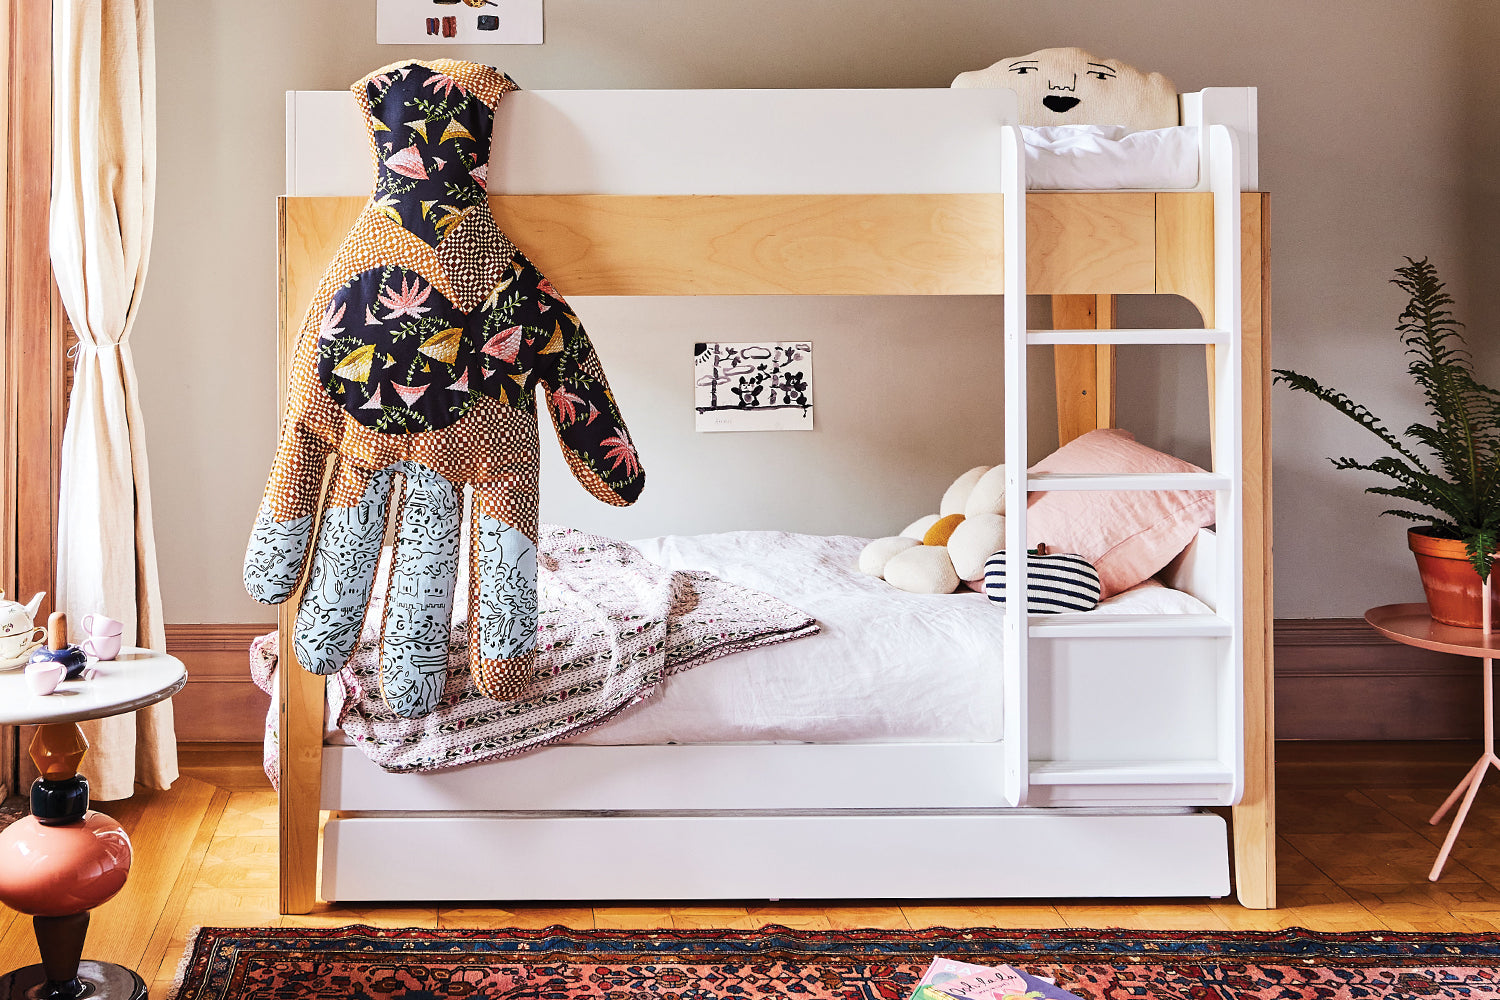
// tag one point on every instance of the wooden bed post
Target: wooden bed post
(1184, 238)
(1255, 816)
(300, 712)
(301, 772)
(1084, 373)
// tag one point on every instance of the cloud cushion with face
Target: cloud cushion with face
(1068, 86)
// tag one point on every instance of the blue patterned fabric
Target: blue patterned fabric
(338, 590)
(419, 610)
(508, 611)
(273, 560)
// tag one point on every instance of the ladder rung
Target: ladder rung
(1045, 481)
(1103, 625)
(1127, 336)
(1130, 772)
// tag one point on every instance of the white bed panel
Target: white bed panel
(756, 776)
(1237, 107)
(592, 780)
(743, 141)
(749, 142)
(1195, 571)
(1146, 699)
(1020, 853)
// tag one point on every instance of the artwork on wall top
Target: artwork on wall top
(469, 22)
(753, 387)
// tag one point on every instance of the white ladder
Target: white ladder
(1224, 772)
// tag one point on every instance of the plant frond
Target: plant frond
(1412, 515)
(1357, 412)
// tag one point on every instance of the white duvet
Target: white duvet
(1103, 157)
(887, 666)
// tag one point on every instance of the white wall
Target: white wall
(1377, 131)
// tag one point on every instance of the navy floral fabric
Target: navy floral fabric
(433, 149)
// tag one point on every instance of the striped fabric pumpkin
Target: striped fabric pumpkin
(1054, 583)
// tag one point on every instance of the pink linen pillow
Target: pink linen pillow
(1128, 534)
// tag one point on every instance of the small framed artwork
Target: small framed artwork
(753, 387)
(468, 22)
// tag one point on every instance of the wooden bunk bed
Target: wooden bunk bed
(628, 234)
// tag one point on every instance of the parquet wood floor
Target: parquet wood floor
(1353, 854)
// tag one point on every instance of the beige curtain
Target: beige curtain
(103, 197)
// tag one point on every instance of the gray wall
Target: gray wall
(1378, 136)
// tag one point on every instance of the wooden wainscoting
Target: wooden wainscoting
(220, 703)
(1339, 679)
(1336, 679)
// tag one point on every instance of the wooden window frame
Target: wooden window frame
(31, 350)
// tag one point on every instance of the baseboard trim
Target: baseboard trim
(220, 703)
(1336, 679)
(1339, 679)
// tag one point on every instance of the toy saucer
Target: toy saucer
(18, 662)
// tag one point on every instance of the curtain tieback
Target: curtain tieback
(79, 347)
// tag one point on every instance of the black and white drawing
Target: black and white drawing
(753, 387)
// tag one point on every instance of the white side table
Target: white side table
(58, 869)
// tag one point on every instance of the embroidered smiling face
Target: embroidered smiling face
(1069, 86)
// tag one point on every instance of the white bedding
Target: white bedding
(1103, 157)
(887, 666)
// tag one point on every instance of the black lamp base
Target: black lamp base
(95, 979)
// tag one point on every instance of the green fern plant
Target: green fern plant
(1459, 477)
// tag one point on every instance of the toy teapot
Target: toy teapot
(58, 662)
(18, 629)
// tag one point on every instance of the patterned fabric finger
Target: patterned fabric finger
(419, 603)
(284, 524)
(589, 427)
(343, 568)
(503, 609)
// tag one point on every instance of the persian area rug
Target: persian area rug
(364, 963)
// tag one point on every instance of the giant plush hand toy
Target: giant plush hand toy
(419, 358)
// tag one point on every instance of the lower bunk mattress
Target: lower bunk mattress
(883, 666)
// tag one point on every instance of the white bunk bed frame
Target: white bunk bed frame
(1120, 732)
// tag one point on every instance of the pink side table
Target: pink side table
(1410, 624)
(66, 859)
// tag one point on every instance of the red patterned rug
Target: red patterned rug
(364, 963)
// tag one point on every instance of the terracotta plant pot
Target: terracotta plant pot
(1453, 587)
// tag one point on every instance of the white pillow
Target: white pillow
(973, 542)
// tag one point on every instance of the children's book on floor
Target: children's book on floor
(947, 979)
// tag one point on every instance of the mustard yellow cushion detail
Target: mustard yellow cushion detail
(940, 532)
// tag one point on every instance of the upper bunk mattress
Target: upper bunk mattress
(1109, 157)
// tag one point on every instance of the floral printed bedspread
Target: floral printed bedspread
(613, 626)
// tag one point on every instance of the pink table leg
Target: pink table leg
(1469, 786)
